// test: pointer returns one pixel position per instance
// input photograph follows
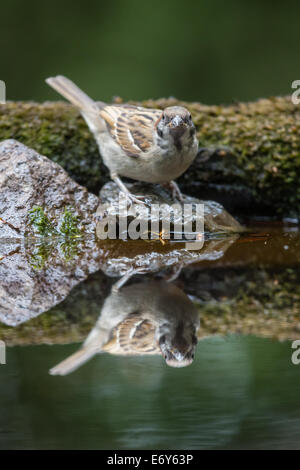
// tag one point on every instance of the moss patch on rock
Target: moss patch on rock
(40, 222)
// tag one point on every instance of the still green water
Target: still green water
(240, 392)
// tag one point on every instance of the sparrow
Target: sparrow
(149, 145)
(152, 317)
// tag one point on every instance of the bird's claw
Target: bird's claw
(122, 281)
(175, 191)
(132, 199)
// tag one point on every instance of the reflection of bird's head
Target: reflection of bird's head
(178, 343)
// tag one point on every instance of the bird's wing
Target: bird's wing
(133, 336)
(137, 336)
(131, 127)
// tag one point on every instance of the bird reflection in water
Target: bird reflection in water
(151, 317)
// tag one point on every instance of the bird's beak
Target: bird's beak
(177, 363)
(177, 127)
(176, 122)
(175, 358)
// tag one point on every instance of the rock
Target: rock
(261, 301)
(34, 277)
(28, 179)
(154, 257)
(41, 262)
(216, 218)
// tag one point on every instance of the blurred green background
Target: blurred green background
(210, 51)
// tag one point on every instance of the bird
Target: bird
(148, 145)
(151, 317)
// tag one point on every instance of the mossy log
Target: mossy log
(254, 150)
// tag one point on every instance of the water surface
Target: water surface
(241, 391)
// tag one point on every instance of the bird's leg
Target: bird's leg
(125, 190)
(176, 193)
(175, 272)
(131, 272)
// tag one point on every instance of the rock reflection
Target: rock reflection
(35, 277)
(246, 285)
(151, 317)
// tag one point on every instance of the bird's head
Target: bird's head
(176, 123)
(178, 343)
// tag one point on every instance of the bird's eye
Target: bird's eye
(163, 117)
(190, 116)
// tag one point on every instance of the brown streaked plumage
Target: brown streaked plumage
(130, 127)
(153, 317)
(143, 144)
(134, 336)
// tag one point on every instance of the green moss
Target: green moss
(44, 253)
(69, 249)
(67, 228)
(40, 255)
(40, 222)
(69, 224)
(64, 238)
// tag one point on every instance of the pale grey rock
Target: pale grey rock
(37, 274)
(29, 288)
(28, 179)
(216, 218)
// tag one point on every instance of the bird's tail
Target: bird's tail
(88, 107)
(72, 93)
(74, 361)
(92, 346)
